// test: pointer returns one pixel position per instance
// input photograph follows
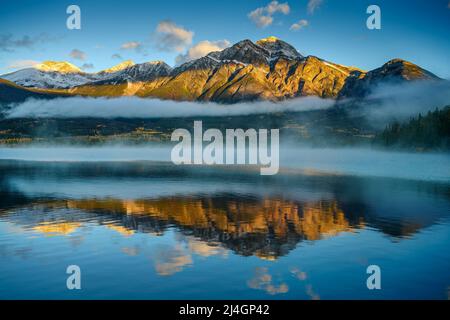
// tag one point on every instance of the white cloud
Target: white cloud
(261, 20)
(299, 25)
(78, 54)
(134, 107)
(131, 45)
(171, 37)
(10, 43)
(117, 56)
(275, 7)
(201, 49)
(313, 5)
(21, 64)
(136, 46)
(87, 66)
(263, 16)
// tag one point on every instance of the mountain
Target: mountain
(119, 67)
(269, 69)
(64, 75)
(394, 71)
(137, 73)
(278, 48)
(11, 92)
(49, 75)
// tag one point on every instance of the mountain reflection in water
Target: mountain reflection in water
(266, 228)
(214, 212)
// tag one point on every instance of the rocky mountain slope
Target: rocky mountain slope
(269, 69)
(11, 92)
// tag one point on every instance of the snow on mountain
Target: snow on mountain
(57, 66)
(33, 77)
(268, 69)
(119, 67)
(136, 73)
(63, 75)
(204, 63)
(245, 52)
(278, 48)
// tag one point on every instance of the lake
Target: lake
(142, 228)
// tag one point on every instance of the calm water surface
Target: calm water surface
(149, 230)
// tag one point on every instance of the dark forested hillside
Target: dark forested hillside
(424, 132)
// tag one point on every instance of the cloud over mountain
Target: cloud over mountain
(201, 49)
(263, 16)
(131, 45)
(78, 54)
(87, 66)
(9, 43)
(313, 5)
(299, 25)
(116, 56)
(22, 64)
(171, 37)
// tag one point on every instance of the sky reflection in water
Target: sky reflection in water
(143, 230)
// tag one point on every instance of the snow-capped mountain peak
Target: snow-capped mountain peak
(245, 52)
(36, 78)
(262, 52)
(63, 75)
(260, 66)
(278, 48)
(49, 74)
(119, 67)
(134, 73)
(268, 39)
(57, 66)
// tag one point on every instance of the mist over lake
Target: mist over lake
(339, 161)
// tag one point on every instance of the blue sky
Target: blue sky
(34, 31)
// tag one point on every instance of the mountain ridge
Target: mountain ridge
(269, 69)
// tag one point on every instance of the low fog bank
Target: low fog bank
(134, 107)
(368, 162)
(400, 102)
(386, 103)
(293, 159)
(115, 153)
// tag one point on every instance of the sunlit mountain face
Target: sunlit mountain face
(265, 228)
(269, 69)
(160, 225)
